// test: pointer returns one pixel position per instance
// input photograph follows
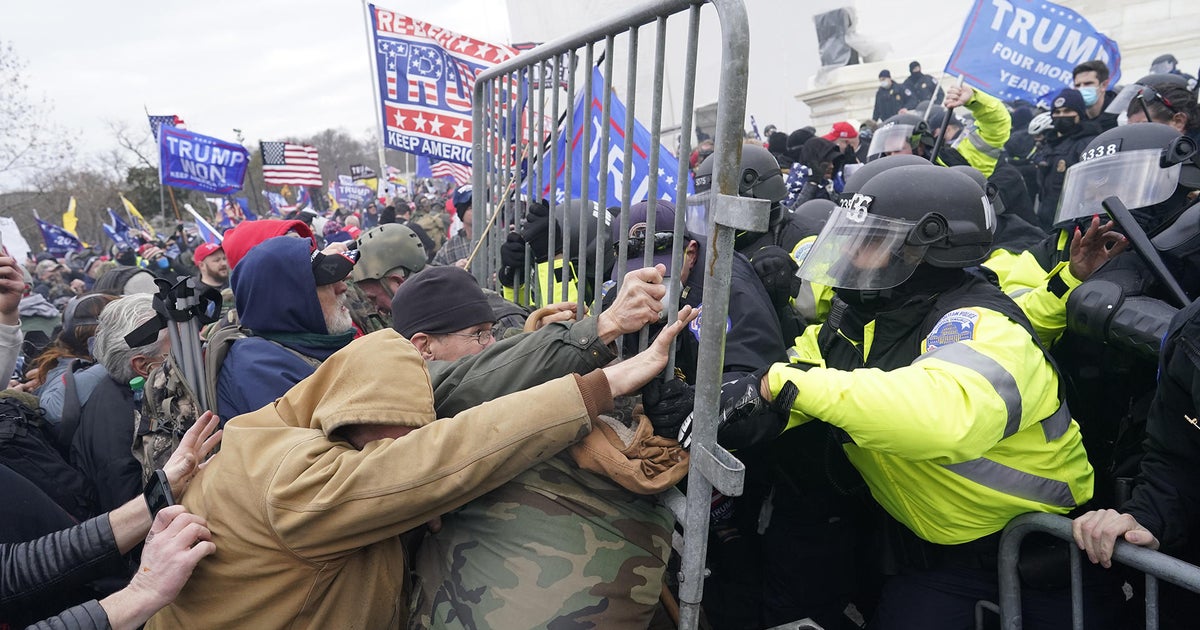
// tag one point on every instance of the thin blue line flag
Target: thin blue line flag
(1027, 49)
(119, 232)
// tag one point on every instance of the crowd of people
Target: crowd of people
(935, 333)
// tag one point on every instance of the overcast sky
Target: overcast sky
(271, 68)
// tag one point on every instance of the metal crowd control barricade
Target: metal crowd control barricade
(1156, 566)
(522, 106)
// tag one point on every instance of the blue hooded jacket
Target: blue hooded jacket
(276, 297)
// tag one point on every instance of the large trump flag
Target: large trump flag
(1027, 49)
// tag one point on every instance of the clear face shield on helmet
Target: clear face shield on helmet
(697, 214)
(889, 139)
(857, 250)
(1120, 102)
(1137, 178)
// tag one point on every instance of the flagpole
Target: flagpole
(250, 176)
(375, 85)
(162, 200)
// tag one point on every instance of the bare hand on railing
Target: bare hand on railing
(630, 375)
(1096, 533)
(638, 304)
(557, 312)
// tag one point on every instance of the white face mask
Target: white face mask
(885, 83)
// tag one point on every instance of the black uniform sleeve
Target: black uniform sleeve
(1166, 498)
(753, 341)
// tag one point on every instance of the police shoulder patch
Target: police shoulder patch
(957, 325)
(801, 251)
(694, 326)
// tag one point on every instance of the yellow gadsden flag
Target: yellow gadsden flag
(140, 222)
(69, 220)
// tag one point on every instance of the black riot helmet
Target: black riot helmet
(898, 133)
(760, 177)
(1150, 167)
(993, 192)
(902, 218)
(866, 172)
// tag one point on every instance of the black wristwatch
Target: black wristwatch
(158, 493)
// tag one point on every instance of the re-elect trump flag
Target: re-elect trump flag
(618, 162)
(1027, 49)
(59, 242)
(425, 75)
(191, 160)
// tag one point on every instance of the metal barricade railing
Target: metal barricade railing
(517, 157)
(1156, 566)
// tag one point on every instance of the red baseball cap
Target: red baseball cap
(841, 130)
(204, 251)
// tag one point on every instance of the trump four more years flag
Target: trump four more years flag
(425, 77)
(190, 160)
(1027, 49)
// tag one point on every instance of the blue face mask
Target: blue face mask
(1090, 95)
(162, 263)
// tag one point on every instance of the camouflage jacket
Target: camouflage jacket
(555, 547)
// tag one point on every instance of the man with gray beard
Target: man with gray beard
(291, 300)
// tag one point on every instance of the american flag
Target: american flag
(170, 121)
(460, 172)
(797, 177)
(286, 163)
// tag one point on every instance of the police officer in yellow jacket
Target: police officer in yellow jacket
(945, 402)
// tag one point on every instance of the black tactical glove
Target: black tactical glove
(512, 260)
(742, 402)
(667, 404)
(537, 230)
(776, 270)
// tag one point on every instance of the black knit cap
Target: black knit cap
(439, 300)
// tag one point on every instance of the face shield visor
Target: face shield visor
(1120, 102)
(696, 215)
(890, 139)
(857, 250)
(1137, 178)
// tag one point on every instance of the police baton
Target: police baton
(941, 138)
(1137, 237)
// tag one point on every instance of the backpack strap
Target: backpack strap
(72, 408)
(219, 344)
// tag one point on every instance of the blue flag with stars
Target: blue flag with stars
(587, 164)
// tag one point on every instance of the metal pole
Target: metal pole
(368, 21)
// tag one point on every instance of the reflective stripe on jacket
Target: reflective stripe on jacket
(953, 413)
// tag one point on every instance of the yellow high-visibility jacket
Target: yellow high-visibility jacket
(955, 416)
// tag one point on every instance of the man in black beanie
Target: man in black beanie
(444, 313)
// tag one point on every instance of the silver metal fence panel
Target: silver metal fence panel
(514, 174)
(1156, 566)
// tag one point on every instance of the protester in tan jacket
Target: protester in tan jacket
(308, 496)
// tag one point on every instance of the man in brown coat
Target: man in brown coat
(309, 495)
